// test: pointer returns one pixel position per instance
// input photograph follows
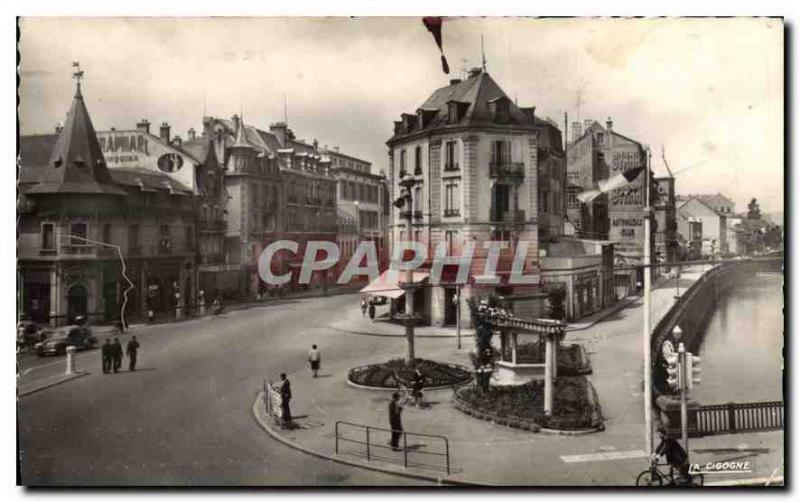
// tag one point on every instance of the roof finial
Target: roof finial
(483, 55)
(77, 75)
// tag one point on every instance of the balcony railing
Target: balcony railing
(449, 213)
(452, 166)
(517, 216)
(79, 249)
(212, 225)
(506, 169)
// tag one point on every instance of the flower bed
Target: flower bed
(396, 372)
(575, 405)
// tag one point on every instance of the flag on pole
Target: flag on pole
(434, 25)
(604, 186)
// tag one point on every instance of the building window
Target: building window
(452, 113)
(48, 236)
(133, 237)
(402, 163)
(600, 137)
(501, 111)
(451, 237)
(418, 160)
(451, 199)
(417, 199)
(106, 233)
(544, 206)
(78, 229)
(450, 157)
(501, 152)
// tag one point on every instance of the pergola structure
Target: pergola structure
(513, 368)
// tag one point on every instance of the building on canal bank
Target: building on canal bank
(484, 170)
(71, 203)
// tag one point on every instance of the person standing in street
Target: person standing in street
(372, 310)
(314, 358)
(116, 354)
(286, 397)
(131, 350)
(395, 423)
(363, 307)
(106, 351)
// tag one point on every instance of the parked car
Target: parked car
(80, 337)
(28, 334)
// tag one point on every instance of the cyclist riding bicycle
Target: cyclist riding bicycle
(676, 455)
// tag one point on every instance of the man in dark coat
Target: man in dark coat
(676, 455)
(395, 423)
(116, 354)
(131, 350)
(286, 397)
(106, 353)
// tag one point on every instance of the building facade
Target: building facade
(714, 224)
(77, 215)
(475, 158)
(360, 194)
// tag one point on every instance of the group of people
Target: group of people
(368, 306)
(112, 355)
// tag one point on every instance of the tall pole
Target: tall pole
(458, 316)
(684, 414)
(408, 184)
(648, 389)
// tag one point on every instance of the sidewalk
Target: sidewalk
(485, 453)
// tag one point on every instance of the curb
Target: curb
(401, 335)
(64, 378)
(332, 458)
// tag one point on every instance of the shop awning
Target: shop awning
(387, 284)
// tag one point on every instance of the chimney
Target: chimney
(529, 112)
(143, 125)
(316, 144)
(164, 132)
(587, 123)
(609, 125)
(191, 133)
(454, 81)
(177, 141)
(59, 128)
(279, 129)
(336, 149)
(576, 131)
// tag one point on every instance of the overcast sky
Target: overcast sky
(710, 91)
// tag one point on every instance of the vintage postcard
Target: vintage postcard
(419, 251)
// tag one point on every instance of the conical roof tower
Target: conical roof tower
(77, 165)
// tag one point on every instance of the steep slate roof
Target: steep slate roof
(714, 200)
(76, 164)
(698, 199)
(475, 92)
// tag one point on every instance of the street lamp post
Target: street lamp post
(646, 351)
(123, 323)
(408, 183)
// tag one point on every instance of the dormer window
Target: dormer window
(452, 113)
(499, 109)
(600, 137)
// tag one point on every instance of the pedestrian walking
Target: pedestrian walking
(363, 307)
(116, 354)
(417, 382)
(106, 351)
(395, 423)
(372, 310)
(286, 397)
(132, 350)
(314, 358)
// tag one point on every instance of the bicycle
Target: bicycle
(654, 477)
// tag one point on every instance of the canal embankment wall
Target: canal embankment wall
(697, 304)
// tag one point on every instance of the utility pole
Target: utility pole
(458, 316)
(646, 352)
(684, 414)
(408, 183)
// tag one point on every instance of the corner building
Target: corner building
(477, 159)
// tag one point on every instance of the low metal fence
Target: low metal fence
(732, 418)
(370, 444)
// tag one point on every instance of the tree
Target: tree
(753, 210)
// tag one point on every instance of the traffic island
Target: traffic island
(396, 372)
(576, 408)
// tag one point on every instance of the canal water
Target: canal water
(742, 348)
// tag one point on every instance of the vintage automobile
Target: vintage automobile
(80, 337)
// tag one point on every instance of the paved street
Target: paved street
(184, 417)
